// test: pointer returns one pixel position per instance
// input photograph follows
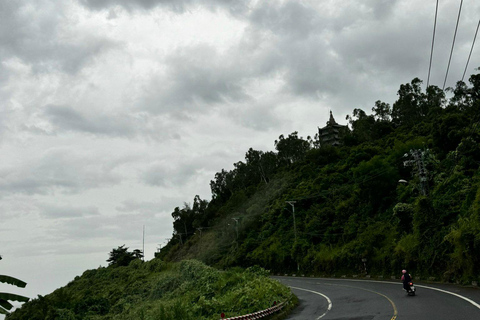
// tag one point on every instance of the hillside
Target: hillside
(156, 290)
(402, 191)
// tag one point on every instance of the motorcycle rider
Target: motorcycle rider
(406, 278)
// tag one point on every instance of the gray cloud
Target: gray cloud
(64, 118)
(293, 20)
(172, 174)
(196, 79)
(38, 34)
(58, 169)
(122, 228)
(316, 57)
(345, 55)
(178, 6)
(56, 211)
(259, 116)
(148, 207)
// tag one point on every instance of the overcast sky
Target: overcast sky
(114, 112)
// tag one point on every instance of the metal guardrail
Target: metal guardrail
(260, 314)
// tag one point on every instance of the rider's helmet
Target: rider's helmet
(404, 271)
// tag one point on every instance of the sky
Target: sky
(114, 112)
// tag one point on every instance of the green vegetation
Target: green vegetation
(349, 204)
(157, 290)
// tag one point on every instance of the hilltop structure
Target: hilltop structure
(332, 133)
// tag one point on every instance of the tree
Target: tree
(382, 111)
(292, 148)
(5, 305)
(407, 109)
(122, 257)
(362, 125)
(222, 186)
(261, 164)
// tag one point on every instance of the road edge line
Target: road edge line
(321, 294)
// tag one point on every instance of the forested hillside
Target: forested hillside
(403, 191)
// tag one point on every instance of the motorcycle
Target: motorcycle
(411, 289)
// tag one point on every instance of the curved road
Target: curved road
(343, 299)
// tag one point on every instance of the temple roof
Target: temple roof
(331, 121)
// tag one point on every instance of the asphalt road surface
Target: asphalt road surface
(343, 299)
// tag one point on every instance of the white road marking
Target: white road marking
(420, 286)
(321, 294)
(453, 294)
(395, 311)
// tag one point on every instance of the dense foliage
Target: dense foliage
(156, 290)
(350, 207)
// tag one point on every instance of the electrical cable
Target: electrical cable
(453, 44)
(433, 41)
(475, 37)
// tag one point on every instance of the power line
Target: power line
(471, 50)
(453, 44)
(433, 41)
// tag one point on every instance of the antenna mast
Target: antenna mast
(143, 249)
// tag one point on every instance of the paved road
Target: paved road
(343, 299)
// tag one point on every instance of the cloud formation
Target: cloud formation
(37, 33)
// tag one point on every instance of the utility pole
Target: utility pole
(236, 227)
(292, 203)
(181, 240)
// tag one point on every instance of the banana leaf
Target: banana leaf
(3, 311)
(13, 281)
(5, 304)
(13, 297)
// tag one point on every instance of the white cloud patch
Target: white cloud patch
(56, 211)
